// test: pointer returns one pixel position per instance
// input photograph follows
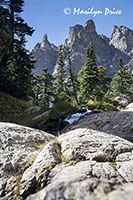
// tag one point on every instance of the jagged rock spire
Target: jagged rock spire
(90, 26)
(45, 43)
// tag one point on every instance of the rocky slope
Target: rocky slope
(111, 122)
(80, 164)
(107, 50)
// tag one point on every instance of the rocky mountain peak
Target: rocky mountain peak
(75, 30)
(45, 37)
(45, 54)
(122, 39)
(45, 43)
(115, 28)
(90, 26)
(119, 45)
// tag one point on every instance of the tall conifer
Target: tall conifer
(72, 78)
(123, 80)
(88, 75)
(59, 83)
(16, 66)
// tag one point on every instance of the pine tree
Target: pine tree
(16, 65)
(19, 73)
(103, 85)
(88, 75)
(72, 82)
(43, 89)
(123, 80)
(37, 88)
(5, 32)
(59, 83)
(15, 21)
(47, 88)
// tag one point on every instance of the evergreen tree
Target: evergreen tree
(18, 26)
(3, 9)
(88, 75)
(37, 88)
(103, 85)
(19, 71)
(43, 88)
(5, 34)
(16, 65)
(47, 88)
(123, 80)
(72, 78)
(59, 83)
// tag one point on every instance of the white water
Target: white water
(75, 117)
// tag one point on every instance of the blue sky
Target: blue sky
(47, 16)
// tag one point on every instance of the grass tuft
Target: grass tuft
(113, 164)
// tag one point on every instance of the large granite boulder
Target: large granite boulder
(92, 166)
(18, 145)
(80, 164)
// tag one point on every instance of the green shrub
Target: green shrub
(101, 105)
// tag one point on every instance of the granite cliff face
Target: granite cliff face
(122, 39)
(108, 50)
(45, 54)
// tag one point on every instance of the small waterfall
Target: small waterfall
(71, 118)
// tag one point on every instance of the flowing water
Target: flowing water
(71, 118)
